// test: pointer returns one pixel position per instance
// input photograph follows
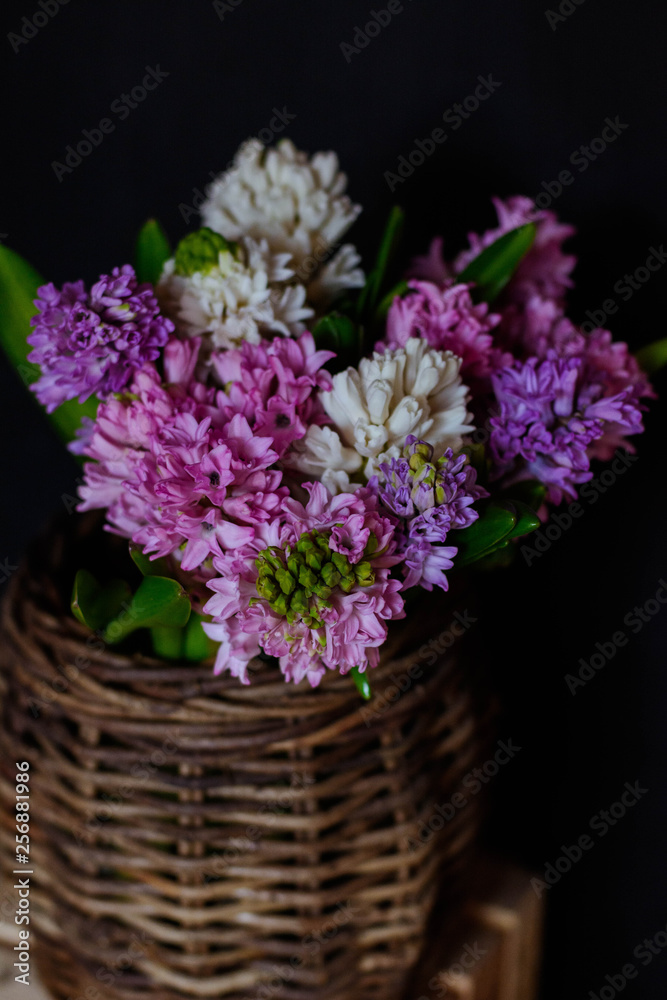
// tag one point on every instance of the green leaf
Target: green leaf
(168, 641)
(157, 601)
(385, 305)
(362, 683)
(653, 357)
(197, 645)
(527, 519)
(370, 293)
(339, 334)
(146, 565)
(18, 289)
(94, 605)
(189, 642)
(151, 251)
(493, 267)
(499, 521)
(492, 528)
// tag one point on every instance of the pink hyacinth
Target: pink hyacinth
(545, 270)
(275, 385)
(449, 320)
(176, 474)
(275, 593)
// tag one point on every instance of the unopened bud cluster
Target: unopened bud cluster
(297, 582)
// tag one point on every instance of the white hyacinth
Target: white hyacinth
(322, 455)
(410, 390)
(297, 205)
(244, 295)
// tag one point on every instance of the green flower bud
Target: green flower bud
(341, 562)
(363, 571)
(286, 581)
(298, 582)
(330, 574)
(307, 579)
(200, 251)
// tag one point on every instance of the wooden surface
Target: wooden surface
(490, 951)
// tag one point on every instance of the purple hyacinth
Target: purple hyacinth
(93, 342)
(552, 413)
(430, 498)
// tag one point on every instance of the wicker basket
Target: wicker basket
(194, 838)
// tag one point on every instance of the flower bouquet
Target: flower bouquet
(293, 450)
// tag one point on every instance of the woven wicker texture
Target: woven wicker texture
(193, 838)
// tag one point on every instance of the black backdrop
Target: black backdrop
(557, 77)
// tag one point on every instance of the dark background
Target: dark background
(225, 77)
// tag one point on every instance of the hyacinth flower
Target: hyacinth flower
(448, 320)
(91, 342)
(291, 479)
(431, 497)
(298, 205)
(229, 292)
(551, 418)
(313, 588)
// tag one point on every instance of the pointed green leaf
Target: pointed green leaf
(18, 289)
(653, 357)
(157, 601)
(94, 605)
(493, 267)
(146, 565)
(362, 683)
(375, 282)
(151, 251)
